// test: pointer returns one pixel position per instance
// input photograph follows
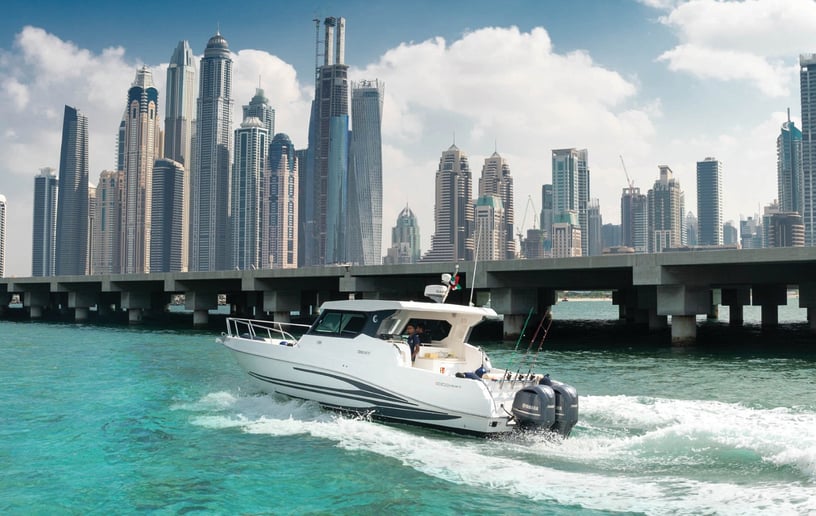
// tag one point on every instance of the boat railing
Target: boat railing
(254, 329)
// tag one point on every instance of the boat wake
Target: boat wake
(627, 453)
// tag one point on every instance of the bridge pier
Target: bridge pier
(35, 312)
(683, 303)
(81, 314)
(769, 297)
(200, 318)
(515, 304)
(134, 315)
(735, 299)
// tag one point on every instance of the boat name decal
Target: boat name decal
(361, 352)
(443, 384)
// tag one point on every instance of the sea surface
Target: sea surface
(117, 420)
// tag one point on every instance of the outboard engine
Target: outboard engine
(566, 407)
(535, 406)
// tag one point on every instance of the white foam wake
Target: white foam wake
(628, 453)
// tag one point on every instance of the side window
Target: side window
(328, 323)
(352, 325)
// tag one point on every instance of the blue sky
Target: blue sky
(657, 81)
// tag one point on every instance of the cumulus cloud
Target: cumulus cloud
(43, 72)
(756, 41)
(506, 89)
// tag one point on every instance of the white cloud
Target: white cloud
(510, 87)
(756, 41)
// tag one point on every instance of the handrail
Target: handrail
(237, 327)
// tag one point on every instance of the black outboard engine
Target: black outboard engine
(535, 407)
(566, 407)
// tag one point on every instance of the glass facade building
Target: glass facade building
(709, 202)
(72, 200)
(44, 237)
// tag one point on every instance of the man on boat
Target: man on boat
(413, 341)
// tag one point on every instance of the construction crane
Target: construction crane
(520, 231)
(631, 183)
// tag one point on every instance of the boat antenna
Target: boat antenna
(475, 261)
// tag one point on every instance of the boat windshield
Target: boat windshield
(348, 324)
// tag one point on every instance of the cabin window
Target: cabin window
(347, 324)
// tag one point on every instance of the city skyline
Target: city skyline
(610, 99)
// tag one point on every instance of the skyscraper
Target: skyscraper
(107, 228)
(789, 168)
(570, 175)
(325, 184)
(279, 210)
(365, 194)
(210, 180)
(180, 105)
(251, 145)
(167, 218)
(142, 146)
(44, 238)
(489, 228)
(259, 108)
(496, 180)
(666, 208)
(2, 235)
(709, 202)
(179, 131)
(453, 212)
(807, 84)
(594, 238)
(634, 219)
(404, 239)
(72, 200)
(546, 218)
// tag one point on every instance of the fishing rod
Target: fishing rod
(518, 341)
(548, 318)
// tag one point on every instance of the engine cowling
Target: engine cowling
(535, 406)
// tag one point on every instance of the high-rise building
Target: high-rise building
(107, 228)
(546, 218)
(364, 227)
(44, 238)
(142, 146)
(167, 217)
(179, 130)
(72, 200)
(786, 229)
(634, 219)
(210, 242)
(180, 105)
(490, 228)
(730, 234)
(571, 186)
(279, 206)
(496, 180)
(692, 230)
(91, 226)
(789, 167)
(566, 235)
(404, 239)
(251, 145)
(807, 87)
(2, 235)
(611, 236)
(665, 217)
(325, 182)
(751, 233)
(709, 202)
(453, 212)
(594, 224)
(259, 108)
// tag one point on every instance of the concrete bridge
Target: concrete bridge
(646, 287)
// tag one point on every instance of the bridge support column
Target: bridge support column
(807, 299)
(80, 314)
(35, 312)
(683, 329)
(515, 304)
(735, 299)
(769, 297)
(657, 322)
(200, 317)
(134, 315)
(683, 303)
(716, 300)
(281, 303)
(811, 315)
(282, 317)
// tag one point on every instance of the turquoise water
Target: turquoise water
(121, 420)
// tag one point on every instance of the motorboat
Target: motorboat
(355, 357)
